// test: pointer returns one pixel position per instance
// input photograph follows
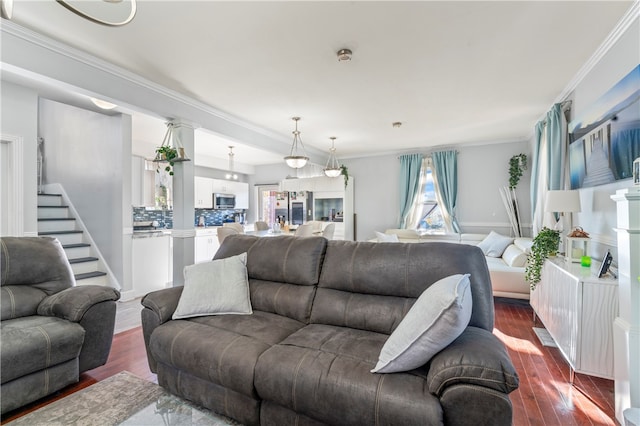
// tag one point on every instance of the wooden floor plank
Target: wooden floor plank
(543, 398)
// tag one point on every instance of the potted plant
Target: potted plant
(545, 244)
(166, 153)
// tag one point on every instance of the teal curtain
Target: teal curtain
(557, 147)
(410, 166)
(535, 165)
(445, 167)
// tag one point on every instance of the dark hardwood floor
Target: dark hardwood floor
(544, 397)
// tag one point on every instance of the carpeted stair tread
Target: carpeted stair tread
(60, 232)
(82, 259)
(90, 275)
(77, 245)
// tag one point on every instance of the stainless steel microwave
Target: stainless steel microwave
(224, 201)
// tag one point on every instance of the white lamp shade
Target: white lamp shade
(332, 172)
(562, 201)
(296, 161)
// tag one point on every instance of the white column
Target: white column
(626, 328)
(183, 232)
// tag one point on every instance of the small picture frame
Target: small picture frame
(636, 171)
(606, 262)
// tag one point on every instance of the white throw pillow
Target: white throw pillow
(436, 319)
(495, 244)
(215, 288)
(387, 238)
(513, 256)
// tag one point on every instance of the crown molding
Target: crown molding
(623, 25)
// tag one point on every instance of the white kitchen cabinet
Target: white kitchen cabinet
(241, 191)
(203, 192)
(206, 244)
(204, 188)
(578, 310)
(152, 260)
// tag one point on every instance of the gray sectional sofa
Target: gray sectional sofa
(322, 311)
(51, 331)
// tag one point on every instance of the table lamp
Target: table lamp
(561, 202)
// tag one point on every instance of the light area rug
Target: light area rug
(544, 337)
(123, 399)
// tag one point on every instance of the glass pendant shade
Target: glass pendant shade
(332, 168)
(296, 159)
(231, 174)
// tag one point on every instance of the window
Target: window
(427, 209)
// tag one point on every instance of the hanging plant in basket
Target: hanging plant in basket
(545, 244)
(168, 154)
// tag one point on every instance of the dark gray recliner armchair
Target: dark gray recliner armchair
(51, 331)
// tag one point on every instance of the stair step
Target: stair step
(90, 278)
(65, 237)
(75, 251)
(46, 212)
(56, 224)
(90, 275)
(49, 199)
(82, 259)
(82, 265)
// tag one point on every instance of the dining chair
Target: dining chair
(225, 231)
(234, 225)
(261, 226)
(328, 231)
(305, 230)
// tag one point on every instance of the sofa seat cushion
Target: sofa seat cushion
(220, 349)
(33, 343)
(323, 372)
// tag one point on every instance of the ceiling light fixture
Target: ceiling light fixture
(333, 168)
(294, 159)
(231, 174)
(103, 104)
(107, 8)
(344, 55)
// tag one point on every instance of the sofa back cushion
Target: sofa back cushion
(31, 268)
(372, 286)
(283, 271)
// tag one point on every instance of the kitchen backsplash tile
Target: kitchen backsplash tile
(165, 217)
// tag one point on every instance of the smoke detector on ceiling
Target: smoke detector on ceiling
(344, 55)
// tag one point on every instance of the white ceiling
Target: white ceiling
(451, 72)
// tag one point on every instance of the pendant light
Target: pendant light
(332, 169)
(231, 174)
(294, 159)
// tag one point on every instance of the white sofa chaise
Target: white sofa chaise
(507, 271)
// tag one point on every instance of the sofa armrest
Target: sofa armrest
(163, 302)
(159, 307)
(478, 358)
(72, 303)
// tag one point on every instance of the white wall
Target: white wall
(598, 215)
(90, 155)
(19, 106)
(482, 169)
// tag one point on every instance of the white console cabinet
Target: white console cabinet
(578, 310)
